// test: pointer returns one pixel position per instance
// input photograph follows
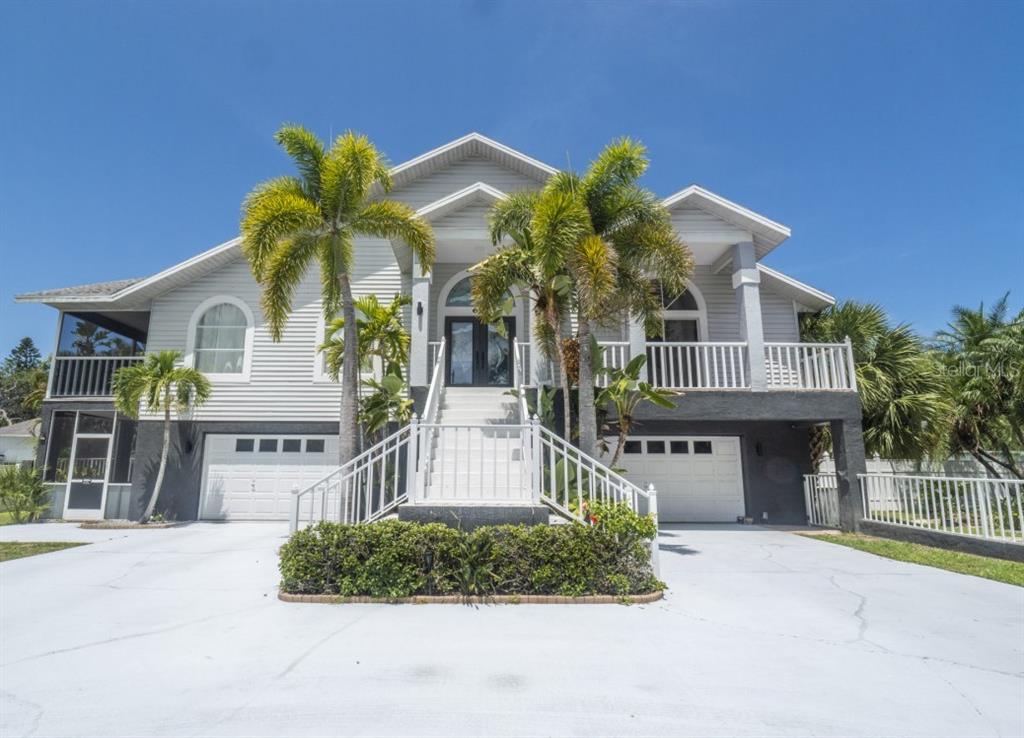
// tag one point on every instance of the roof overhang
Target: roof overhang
(766, 233)
(802, 294)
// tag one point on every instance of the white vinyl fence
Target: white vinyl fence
(821, 499)
(983, 508)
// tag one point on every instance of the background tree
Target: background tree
(899, 383)
(23, 377)
(981, 353)
(23, 357)
(162, 386)
(292, 223)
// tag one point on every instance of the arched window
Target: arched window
(683, 318)
(459, 295)
(220, 338)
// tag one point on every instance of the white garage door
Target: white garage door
(699, 479)
(250, 477)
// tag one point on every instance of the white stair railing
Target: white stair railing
(810, 366)
(519, 352)
(363, 490)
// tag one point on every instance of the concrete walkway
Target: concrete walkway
(178, 633)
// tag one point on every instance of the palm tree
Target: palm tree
(982, 354)
(381, 334)
(292, 223)
(162, 385)
(534, 263)
(898, 382)
(630, 240)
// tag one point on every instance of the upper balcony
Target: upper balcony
(727, 366)
(91, 347)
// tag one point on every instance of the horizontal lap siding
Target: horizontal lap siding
(778, 316)
(281, 384)
(459, 176)
(720, 301)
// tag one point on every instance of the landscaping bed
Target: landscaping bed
(395, 561)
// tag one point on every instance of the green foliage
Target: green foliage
(381, 334)
(625, 392)
(159, 384)
(399, 559)
(23, 377)
(387, 402)
(22, 493)
(899, 384)
(981, 355)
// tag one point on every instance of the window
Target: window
(244, 445)
(220, 340)
(97, 334)
(679, 447)
(459, 296)
(633, 447)
(58, 452)
(702, 447)
(655, 447)
(682, 317)
(314, 445)
(291, 445)
(268, 445)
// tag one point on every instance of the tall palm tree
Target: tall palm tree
(292, 223)
(982, 353)
(899, 383)
(630, 241)
(162, 385)
(534, 263)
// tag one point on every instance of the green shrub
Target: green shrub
(394, 559)
(22, 493)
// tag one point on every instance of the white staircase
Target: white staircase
(476, 450)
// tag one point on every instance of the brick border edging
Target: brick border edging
(638, 599)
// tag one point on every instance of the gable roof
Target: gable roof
(796, 290)
(476, 192)
(472, 144)
(766, 232)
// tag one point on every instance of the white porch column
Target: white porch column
(637, 343)
(747, 282)
(419, 330)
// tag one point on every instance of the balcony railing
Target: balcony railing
(86, 376)
(726, 365)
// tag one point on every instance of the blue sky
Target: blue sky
(888, 136)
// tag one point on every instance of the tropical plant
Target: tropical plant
(625, 392)
(388, 402)
(630, 239)
(381, 333)
(982, 357)
(899, 383)
(535, 264)
(159, 384)
(292, 223)
(22, 493)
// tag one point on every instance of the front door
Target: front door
(87, 477)
(478, 355)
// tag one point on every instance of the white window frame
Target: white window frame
(250, 329)
(444, 310)
(700, 314)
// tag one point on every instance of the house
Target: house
(735, 444)
(18, 442)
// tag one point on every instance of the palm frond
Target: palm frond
(350, 169)
(307, 152)
(284, 271)
(275, 210)
(512, 216)
(593, 264)
(391, 219)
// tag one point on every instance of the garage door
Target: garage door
(699, 479)
(250, 477)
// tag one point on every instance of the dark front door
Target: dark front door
(478, 356)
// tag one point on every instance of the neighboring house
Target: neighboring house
(18, 442)
(735, 445)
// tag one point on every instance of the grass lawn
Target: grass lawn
(1000, 570)
(17, 549)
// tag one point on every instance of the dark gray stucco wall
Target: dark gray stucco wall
(179, 498)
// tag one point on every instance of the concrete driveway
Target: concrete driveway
(178, 632)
